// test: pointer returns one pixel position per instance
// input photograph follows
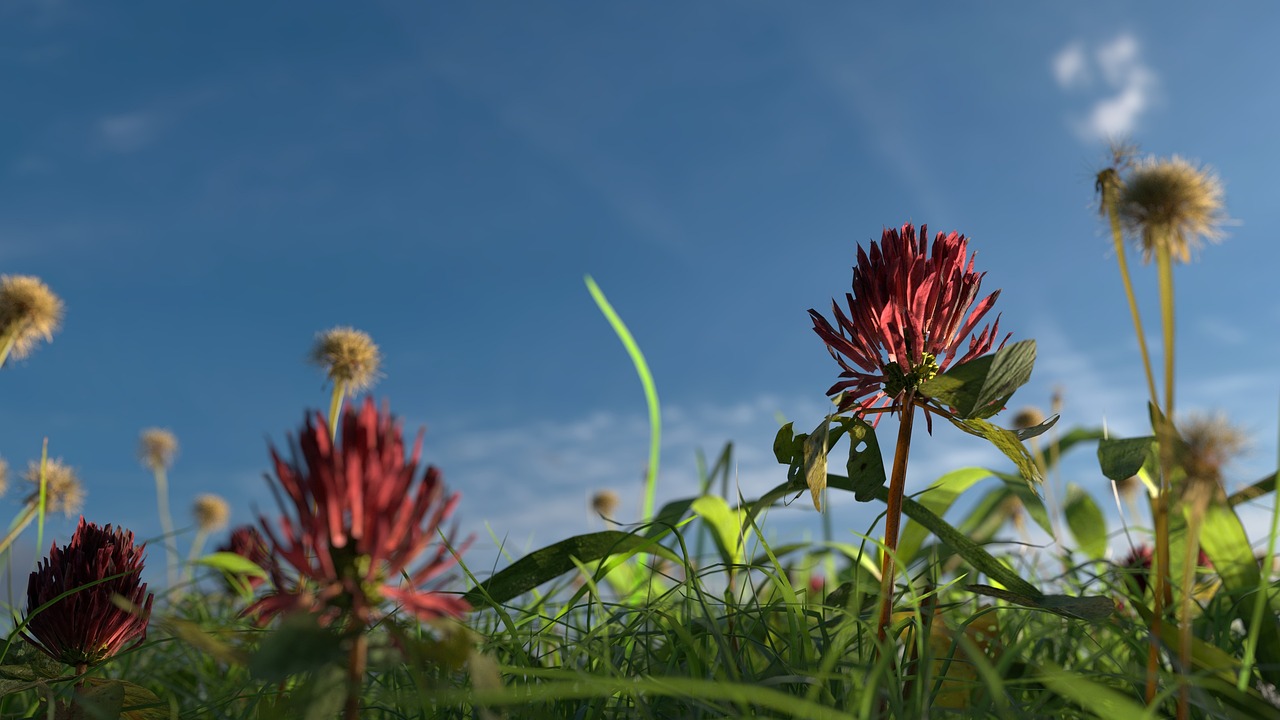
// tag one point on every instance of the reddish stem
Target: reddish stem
(893, 515)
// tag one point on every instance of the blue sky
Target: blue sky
(209, 185)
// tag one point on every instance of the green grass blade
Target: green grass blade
(650, 392)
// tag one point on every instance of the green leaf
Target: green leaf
(1037, 430)
(96, 701)
(981, 387)
(1087, 523)
(555, 560)
(726, 524)
(865, 467)
(1090, 607)
(1224, 540)
(815, 461)
(784, 444)
(232, 564)
(1101, 700)
(1122, 458)
(1007, 442)
(299, 645)
(138, 703)
(668, 517)
(938, 497)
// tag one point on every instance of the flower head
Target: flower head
(157, 448)
(348, 356)
(911, 308)
(605, 503)
(87, 627)
(1172, 201)
(249, 544)
(358, 515)
(211, 512)
(62, 489)
(29, 312)
(1212, 442)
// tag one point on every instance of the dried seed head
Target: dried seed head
(347, 355)
(157, 448)
(211, 512)
(605, 502)
(1172, 201)
(63, 491)
(1028, 417)
(29, 311)
(1128, 487)
(1212, 442)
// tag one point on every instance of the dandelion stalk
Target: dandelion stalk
(157, 449)
(350, 359)
(1169, 205)
(211, 514)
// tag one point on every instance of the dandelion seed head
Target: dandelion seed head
(1028, 417)
(211, 512)
(605, 503)
(1172, 201)
(29, 311)
(157, 448)
(63, 491)
(347, 355)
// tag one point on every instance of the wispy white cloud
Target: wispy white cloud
(128, 132)
(1114, 75)
(1069, 66)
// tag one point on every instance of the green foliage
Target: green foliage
(1087, 523)
(982, 386)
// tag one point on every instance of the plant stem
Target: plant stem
(20, 523)
(1109, 192)
(166, 525)
(355, 675)
(893, 515)
(335, 408)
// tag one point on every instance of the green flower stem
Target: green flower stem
(166, 525)
(335, 408)
(1110, 191)
(42, 500)
(893, 514)
(197, 547)
(9, 339)
(20, 523)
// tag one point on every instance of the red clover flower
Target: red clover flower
(911, 308)
(359, 516)
(86, 627)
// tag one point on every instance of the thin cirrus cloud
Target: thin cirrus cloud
(1116, 79)
(127, 132)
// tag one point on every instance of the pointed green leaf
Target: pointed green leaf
(1122, 458)
(1037, 430)
(1087, 523)
(1103, 701)
(555, 560)
(1224, 540)
(1007, 442)
(668, 517)
(981, 387)
(938, 497)
(815, 461)
(726, 525)
(1089, 607)
(232, 564)
(298, 645)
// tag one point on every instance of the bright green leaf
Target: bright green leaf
(555, 560)
(1007, 442)
(726, 524)
(1085, 520)
(1121, 459)
(938, 497)
(981, 387)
